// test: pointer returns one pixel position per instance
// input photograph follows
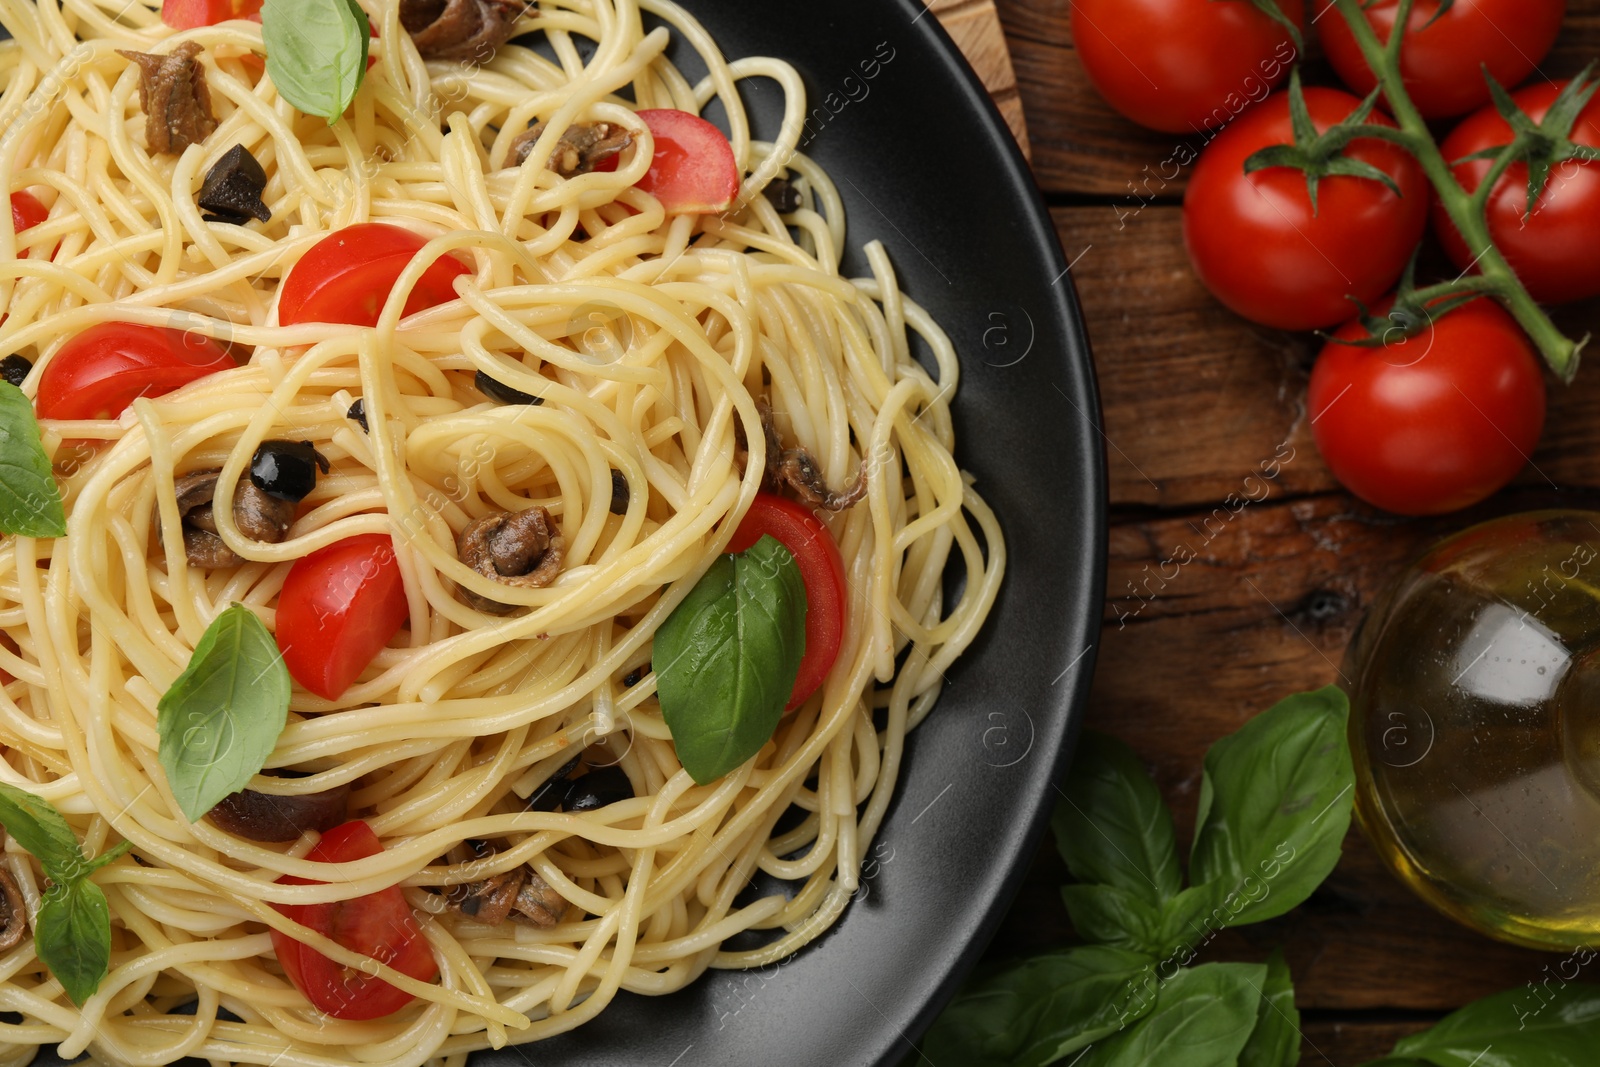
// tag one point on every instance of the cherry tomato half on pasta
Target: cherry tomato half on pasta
(338, 608)
(26, 213)
(102, 370)
(1442, 57)
(1555, 250)
(1432, 423)
(822, 570)
(188, 14)
(380, 925)
(1182, 65)
(693, 171)
(1260, 247)
(347, 276)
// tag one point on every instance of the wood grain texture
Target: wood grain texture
(975, 27)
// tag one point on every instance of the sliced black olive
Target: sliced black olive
(232, 189)
(358, 412)
(619, 493)
(632, 678)
(597, 789)
(550, 795)
(782, 195)
(501, 393)
(14, 369)
(286, 470)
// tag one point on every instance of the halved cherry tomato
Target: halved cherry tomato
(693, 171)
(822, 569)
(338, 608)
(187, 14)
(380, 925)
(26, 213)
(102, 370)
(346, 277)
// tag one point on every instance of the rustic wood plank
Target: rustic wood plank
(975, 27)
(1196, 399)
(1329, 1043)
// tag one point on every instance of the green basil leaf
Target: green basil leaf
(40, 829)
(1106, 915)
(1547, 1025)
(1042, 1009)
(221, 719)
(72, 934)
(1275, 1042)
(1275, 802)
(1112, 826)
(1203, 1016)
(727, 657)
(316, 52)
(30, 500)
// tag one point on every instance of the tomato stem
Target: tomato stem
(1467, 212)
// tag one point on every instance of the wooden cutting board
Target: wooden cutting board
(975, 27)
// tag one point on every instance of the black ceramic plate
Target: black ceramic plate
(926, 165)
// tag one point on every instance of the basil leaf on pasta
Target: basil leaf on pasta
(316, 52)
(221, 719)
(42, 832)
(30, 500)
(727, 657)
(72, 934)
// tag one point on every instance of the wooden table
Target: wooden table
(1195, 399)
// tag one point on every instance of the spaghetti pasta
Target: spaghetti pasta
(653, 339)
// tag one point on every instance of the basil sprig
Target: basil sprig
(727, 657)
(316, 52)
(72, 931)
(30, 500)
(221, 719)
(1275, 806)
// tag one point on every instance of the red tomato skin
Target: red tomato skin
(338, 608)
(1181, 66)
(26, 213)
(102, 370)
(1440, 66)
(1433, 424)
(1556, 250)
(380, 925)
(346, 277)
(821, 568)
(1256, 244)
(693, 171)
(187, 14)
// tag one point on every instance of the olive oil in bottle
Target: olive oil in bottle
(1475, 726)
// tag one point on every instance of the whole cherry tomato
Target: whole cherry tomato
(1433, 422)
(1183, 65)
(1442, 65)
(693, 171)
(346, 277)
(1260, 247)
(1556, 249)
(102, 370)
(338, 608)
(822, 570)
(380, 925)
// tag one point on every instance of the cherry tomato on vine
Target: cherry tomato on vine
(1441, 66)
(821, 568)
(693, 171)
(188, 14)
(1433, 422)
(1258, 245)
(346, 277)
(102, 370)
(1555, 251)
(1182, 65)
(380, 925)
(338, 608)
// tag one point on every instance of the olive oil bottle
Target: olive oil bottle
(1475, 726)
